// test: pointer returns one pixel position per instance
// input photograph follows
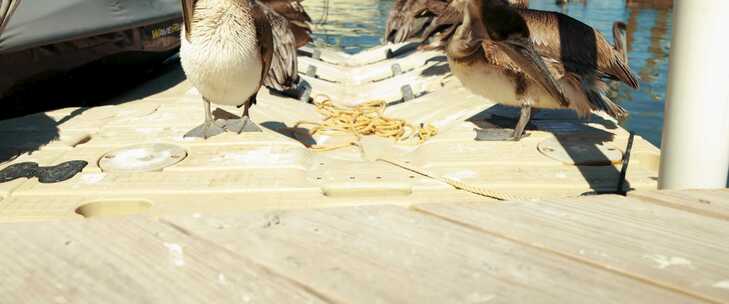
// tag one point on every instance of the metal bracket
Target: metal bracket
(305, 88)
(311, 71)
(407, 92)
(396, 69)
(52, 174)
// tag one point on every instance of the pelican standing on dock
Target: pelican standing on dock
(226, 52)
(535, 59)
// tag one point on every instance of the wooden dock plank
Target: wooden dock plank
(665, 247)
(713, 203)
(130, 261)
(386, 254)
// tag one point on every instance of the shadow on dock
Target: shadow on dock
(602, 176)
(108, 82)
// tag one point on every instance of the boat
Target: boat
(42, 39)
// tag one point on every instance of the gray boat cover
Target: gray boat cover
(41, 22)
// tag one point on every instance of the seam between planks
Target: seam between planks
(308, 289)
(642, 279)
(664, 203)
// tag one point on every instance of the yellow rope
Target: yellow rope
(362, 120)
(369, 119)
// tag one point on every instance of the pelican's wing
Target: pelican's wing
(283, 74)
(264, 36)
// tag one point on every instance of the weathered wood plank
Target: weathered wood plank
(130, 261)
(713, 203)
(666, 247)
(392, 255)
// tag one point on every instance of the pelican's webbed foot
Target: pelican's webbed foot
(507, 134)
(244, 124)
(206, 130)
(496, 134)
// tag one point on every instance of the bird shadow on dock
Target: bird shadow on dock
(599, 172)
(438, 69)
(301, 135)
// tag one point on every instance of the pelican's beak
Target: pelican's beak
(522, 52)
(187, 8)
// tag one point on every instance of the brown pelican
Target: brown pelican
(535, 59)
(229, 49)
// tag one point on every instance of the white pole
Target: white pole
(695, 149)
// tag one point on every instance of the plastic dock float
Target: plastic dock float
(139, 162)
(265, 218)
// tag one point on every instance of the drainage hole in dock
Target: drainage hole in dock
(379, 177)
(351, 177)
(411, 176)
(113, 208)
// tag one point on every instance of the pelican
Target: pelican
(535, 59)
(229, 49)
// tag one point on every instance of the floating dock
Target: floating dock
(274, 169)
(250, 217)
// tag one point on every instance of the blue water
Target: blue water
(649, 40)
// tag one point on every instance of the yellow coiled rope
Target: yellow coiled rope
(368, 119)
(362, 120)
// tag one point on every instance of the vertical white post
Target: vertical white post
(695, 149)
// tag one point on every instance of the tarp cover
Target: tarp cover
(41, 22)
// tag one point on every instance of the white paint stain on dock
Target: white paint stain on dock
(722, 284)
(221, 279)
(176, 254)
(663, 262)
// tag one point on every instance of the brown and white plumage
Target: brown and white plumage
(408, 18)
(283, 72)
(298, 20)
(449, 17)
(394, 20)
(412, 18)
(226, 52)
(526, 51)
